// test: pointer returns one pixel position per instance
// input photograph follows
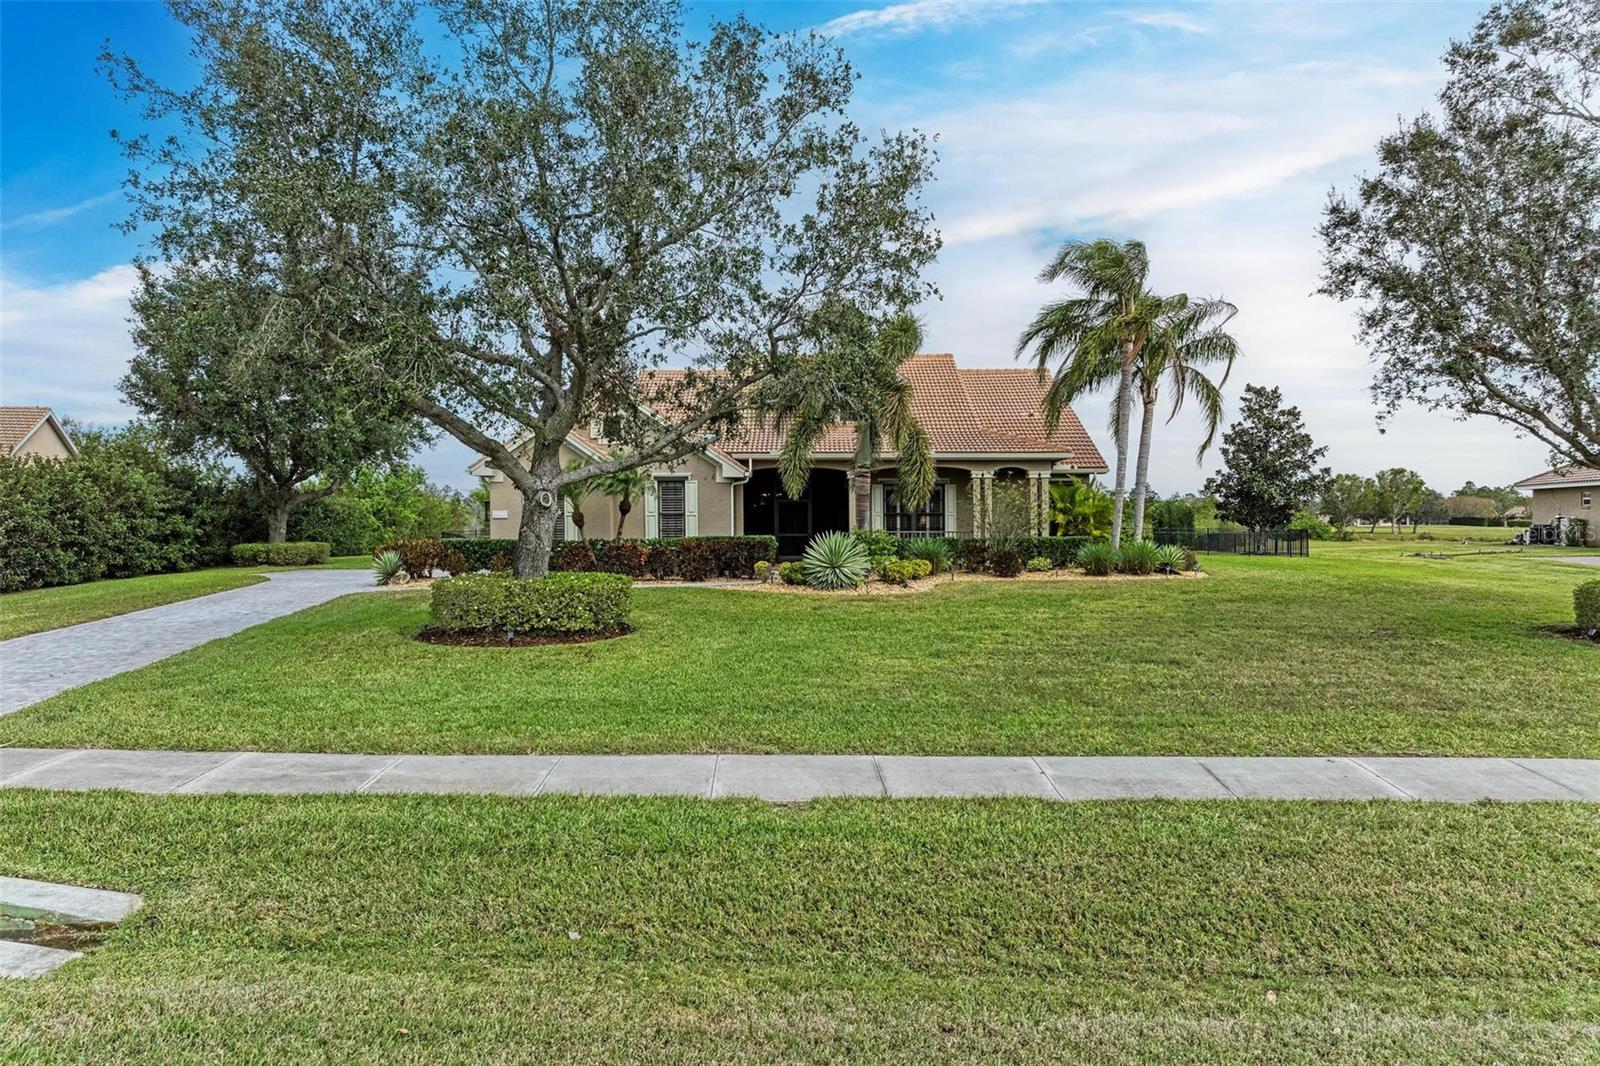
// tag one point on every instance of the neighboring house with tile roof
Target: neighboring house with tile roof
(34, 431)
(1566, 492)
(984, 424)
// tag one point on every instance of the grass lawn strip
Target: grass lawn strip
(603, 930)
(1356, 650)
(39, 610)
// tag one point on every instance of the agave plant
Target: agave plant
(386, 566)
(1171, 559)
(834, 561)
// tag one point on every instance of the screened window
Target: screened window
(670, 506)
(897, 518)
(1588, 499)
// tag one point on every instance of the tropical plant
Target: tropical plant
(791, 573)
(932, 549)
(1010, 516)
(1171, 559)
(1080, 509)
(1095, 337)
(834, 561)
(1186, 336)
(572, 494)
(386, 566)
(625, 485)
(877, 541)
(854, 378)
(1137, 557)
(1097, 559)
(1039, 564)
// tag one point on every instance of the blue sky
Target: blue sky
(1211, 131)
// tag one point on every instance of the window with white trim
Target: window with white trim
(929, 518)
(670, 506)
(1586, 500)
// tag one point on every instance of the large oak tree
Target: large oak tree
(503, 228)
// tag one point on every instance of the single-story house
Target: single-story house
(984, 424)
(1566, 492)
(34, 431)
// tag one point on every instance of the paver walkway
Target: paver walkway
(40, 665)
(785, 778)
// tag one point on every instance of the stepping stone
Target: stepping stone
(796, 778)
(963, 775)
(30, 960)
(632, 775)
(1461, 780)
(1265, 777)
(133, 771)
(14, 761)
(273, 773)
(1582, 776)
(68, 901)
(1131, 777)
(505, 775)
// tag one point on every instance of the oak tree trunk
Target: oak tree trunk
(537, 530)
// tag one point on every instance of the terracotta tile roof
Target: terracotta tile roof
(987, 411)
(17, 424)
(1562, 477)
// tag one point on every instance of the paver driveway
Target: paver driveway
(40, 665)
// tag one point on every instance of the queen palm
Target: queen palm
(1095, 336)
(1187, 335)
(855, 378)
(625, 486)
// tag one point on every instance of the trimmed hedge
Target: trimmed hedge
(289, 553)
(702, 557)
(972, 553)
(1586, 605)
(558, 603)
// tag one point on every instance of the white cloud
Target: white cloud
(65, 345)
(918, 16)
(50, 216)
(1166, 20)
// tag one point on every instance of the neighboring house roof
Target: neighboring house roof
(19, 424)
(966, 412)
(1566, 477)
(581, 441)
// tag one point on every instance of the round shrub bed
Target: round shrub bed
(501, 609)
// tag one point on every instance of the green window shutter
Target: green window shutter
(691, 508)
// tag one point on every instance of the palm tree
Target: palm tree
(572, 494)
(1080, 509)
(1095, 336)
(1186, 336)
(856, 378)
(626, 485)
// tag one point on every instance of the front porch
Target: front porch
(962, 504)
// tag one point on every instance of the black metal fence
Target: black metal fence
(1250, 542)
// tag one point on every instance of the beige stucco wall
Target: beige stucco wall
(45, 443)
(1548, 503)
(716, 508)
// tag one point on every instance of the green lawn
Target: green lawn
(1357, 649)
(596, 930)
(37, 610)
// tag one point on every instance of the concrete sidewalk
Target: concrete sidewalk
(786, 778)
(39, 665)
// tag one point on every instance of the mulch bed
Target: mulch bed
(1572, 633)
(521, 640)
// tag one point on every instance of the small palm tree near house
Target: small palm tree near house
(1080, 509)
(855, 377)
(625, 486)
(572, 495)
(1095, 336)
(1186, 336)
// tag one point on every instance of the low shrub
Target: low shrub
(1170, 559)
(834, 561)
(1098, 560)
(791, 574)
(419, 556)
(287, 553)
(763, 570)
(935, 550)
(972, 555)
(905, 571)
(878, 542)
(480, 552)
(878, 563)
(386, 566)
(1039, 564)
(661, 561)
(499, 563)
(1005, 562)
(623, 557)
(573, 557)
(1586, 605)
(1312, 523)
(1138, 557)
(555, 604)
(697, 559)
